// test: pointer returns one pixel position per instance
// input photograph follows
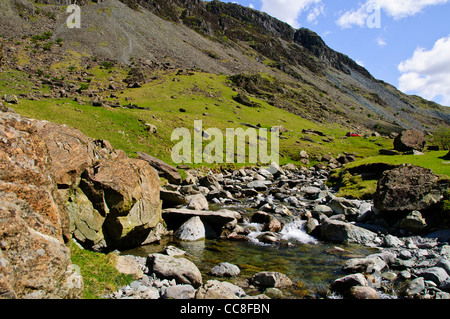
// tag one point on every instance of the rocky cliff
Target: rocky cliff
(226, 38)
(56, 183)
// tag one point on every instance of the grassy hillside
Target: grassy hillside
(203, 96)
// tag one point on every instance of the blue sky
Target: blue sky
(406, 42)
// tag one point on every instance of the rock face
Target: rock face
(407, 188)
(55, 183)
(34, 228)
(410, 140)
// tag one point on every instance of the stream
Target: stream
(309, 263)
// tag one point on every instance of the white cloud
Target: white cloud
(315, 13)
(397, 9)
(353, 17)
(427, 72)
(289, 10)
(381, 42)
(404, 8)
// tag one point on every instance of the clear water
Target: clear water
(311, 265)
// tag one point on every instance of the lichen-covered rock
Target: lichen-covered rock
(126, 192)
(34, 228)
(112, 201)
(408, 188)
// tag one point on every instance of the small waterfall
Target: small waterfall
(296, 231)
(292, 231)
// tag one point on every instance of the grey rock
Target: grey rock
(259, 185)
(369, 265)
(191, 230)
(214, 289)
(174, 251)
(179, 292)
(271, 279)
(413, 222)
(197, 202)
(339, 231)
(324, 209)
(225, 270)
(415, 287)
(180, 269)
(345, 206)
(444, 264)
(437, 275)
(343, 285)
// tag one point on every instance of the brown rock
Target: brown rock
(410, 140)
(72, 152)
(34, 226)
(167, 171)
(126, 191)
(365, 293)
(407, 188)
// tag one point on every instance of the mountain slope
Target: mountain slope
(312, 80)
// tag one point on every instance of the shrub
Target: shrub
(441, 137)
(48, 46)
(107, 64)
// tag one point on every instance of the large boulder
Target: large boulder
(112, 201)
(216, 219)
(126, 192)
(410, 140)
(407, 188)
(34, 229)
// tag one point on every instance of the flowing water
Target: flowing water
(311, 265)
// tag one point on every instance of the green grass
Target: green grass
(431, 160)
(204, 96)
(358, 187)
(100, 276)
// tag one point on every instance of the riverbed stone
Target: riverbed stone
(129, 266)
(365, 293)
(339, 231)
(343, 285)
(214, 289)
(180, 269)
(197, 202)
(179, 292)
(191, 230)
(271, 279)
(437, 275)
(444, 264)
(415, 287)
(368, 265)
(225, 269)
(413, 222)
